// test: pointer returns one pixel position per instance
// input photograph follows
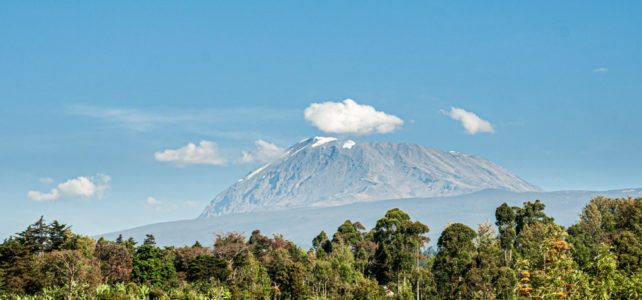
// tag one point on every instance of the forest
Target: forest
(523, 255)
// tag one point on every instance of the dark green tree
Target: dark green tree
(532, 212)
(153, 265)
(453, 261)
(322, 244)
(399, 241)
(505, 221)
(35, 237)
(206, 267)
(18, 266)
(348, 233)
(150, 240)
(58, 235)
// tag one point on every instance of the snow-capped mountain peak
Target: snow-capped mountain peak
(327, 171)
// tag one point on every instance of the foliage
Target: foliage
(527, 257)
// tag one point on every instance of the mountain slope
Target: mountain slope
(323, 171)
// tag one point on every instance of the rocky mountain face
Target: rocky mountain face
(325, 171)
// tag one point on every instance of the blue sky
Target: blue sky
(90, 90)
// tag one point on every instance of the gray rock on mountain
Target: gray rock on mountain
(323, 171)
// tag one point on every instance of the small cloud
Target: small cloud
(471, 122)
(205, 153)
(601, 70)
(159, 206)
(265, 152)
(349, 117)
(46, 180)
(79, 187)
(41, 197)
(152, 201)
(193, 204)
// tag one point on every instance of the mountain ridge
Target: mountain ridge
(327, 171)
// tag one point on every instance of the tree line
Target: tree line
(525, 255)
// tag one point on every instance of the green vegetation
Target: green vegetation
(529, 256)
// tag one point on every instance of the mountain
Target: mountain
(301, 225)
(326, 171)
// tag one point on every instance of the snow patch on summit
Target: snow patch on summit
(320, 140)
(348, 144)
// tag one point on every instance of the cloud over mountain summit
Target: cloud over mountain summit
(349, 117)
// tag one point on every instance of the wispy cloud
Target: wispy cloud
(265, 152)
(131, 118)
(472, 123)
(160, 206)
(152, 201)
(601, 70)
(46, 180)
(143, 120)
(206, 153)
(349, 117)
(79, 187)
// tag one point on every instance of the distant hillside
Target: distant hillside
(303, 224)
(324, 171)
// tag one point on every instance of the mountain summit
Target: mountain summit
(326, 171)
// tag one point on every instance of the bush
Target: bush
(113, 296)
(156, 294)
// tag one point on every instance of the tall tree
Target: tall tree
(150, 240)
(71, 268)
(153, 265)
(532, 212)
(505, 221)
(115, 262)
(18, 265)
(35, 237)
(399, 241)
(58, 234)
(453, 261)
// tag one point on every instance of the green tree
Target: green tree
(58, 234)
(505, 221)
(150, 240)
(559, 277)
(35, 237)
(321, 244)
(206, 267)
(348, 233)
(399, 241)
(453, 261)
(529, 214)
(153, 265)
(485, 271)
(17, 264)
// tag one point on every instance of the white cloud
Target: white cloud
(601, 70)
(160, 206)
(40, 197)
(471, 122)
(265, 152)
(153, 201)
(79, 187)
(205, 153)
(46, 180)
(349, 117)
